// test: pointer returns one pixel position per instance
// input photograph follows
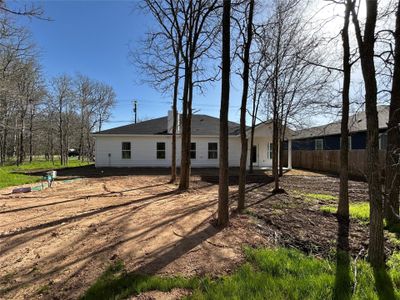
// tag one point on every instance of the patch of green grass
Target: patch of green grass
(116, 283)
(322, 197)
(268, 274)
(359, 210)
(9, 177)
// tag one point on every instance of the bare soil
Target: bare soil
(55, 243)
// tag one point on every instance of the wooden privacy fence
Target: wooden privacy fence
(329, 161)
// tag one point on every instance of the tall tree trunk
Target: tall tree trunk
(185, 166)
(392, 179)
(366, 48)
(342, 281)
(31, 135)
(343, 207)
(4, 145)
(281, 153)
(175, 117)
(61, 133)
(243, 109)
(275, 153)
(275, 107)
(223, 192)
(21, 149)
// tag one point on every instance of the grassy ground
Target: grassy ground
(359, 210)
(9, 177)
(267, 274)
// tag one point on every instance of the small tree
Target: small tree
(392, 179)
(366, 48)
(223, 195)
(247, 38)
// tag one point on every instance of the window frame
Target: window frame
(254, 154)
(212, 152)
(126, 150)
(316, 143)
(161, 151)
(193, 150)
(270, 150)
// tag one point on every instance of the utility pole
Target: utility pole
(135, 109)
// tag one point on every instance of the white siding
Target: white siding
(144, 154)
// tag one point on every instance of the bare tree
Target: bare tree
(62, 95)
(392, 174)
(366, 44)
(197, 30)
(342, 253)
(259, 79)
(159, 47)
(223, 192)
(247, 38)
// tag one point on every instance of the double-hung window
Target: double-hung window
(192, 150)
(270, 150)
(161, 150)
(126, 150)
(319, 144)
(212, 150)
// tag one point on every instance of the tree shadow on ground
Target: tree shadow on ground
(343, 283)
(107, 249)
(383, 284)
(114, 284)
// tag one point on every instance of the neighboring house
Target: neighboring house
(327, 137)
(148, 144)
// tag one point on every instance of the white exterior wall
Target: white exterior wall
(144, 151)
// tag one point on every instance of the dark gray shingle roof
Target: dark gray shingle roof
(201, 125)
(357, 123)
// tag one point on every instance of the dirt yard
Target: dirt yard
(55, 243)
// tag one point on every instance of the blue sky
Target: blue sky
(93, 38)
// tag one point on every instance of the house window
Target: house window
(212, 150)
(254, 153)
(270, 148)
(161, 150)
(126, 150)
(319, 144)
(192, 150)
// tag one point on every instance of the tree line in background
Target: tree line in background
(40, 116)
(290, 71)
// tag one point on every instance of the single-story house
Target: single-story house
(327, 137)
(148, 144)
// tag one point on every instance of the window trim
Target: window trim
(315, 144)
(256, 154)
(212, 150)
(270, 150)
(125, 150)
(161, 150)
(193, 151)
